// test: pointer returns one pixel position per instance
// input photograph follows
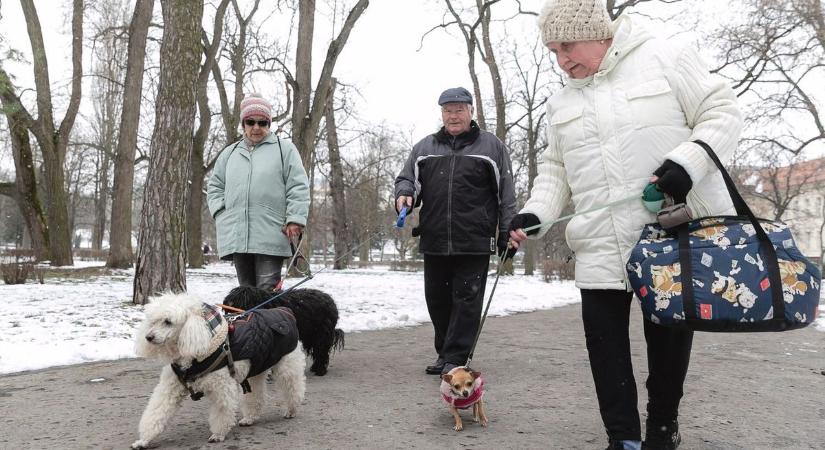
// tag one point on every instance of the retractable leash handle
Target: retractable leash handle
(402, 216)
(668, 213)
(653, 198)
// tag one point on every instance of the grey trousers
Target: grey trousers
(262, 271)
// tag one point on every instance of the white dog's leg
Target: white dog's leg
(222, 391)
(289, 375)
(165, 400)
(253, 402)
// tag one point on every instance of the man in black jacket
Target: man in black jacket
(461, 178)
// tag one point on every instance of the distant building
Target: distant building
(805, 213)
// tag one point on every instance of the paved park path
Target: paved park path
(744, 391)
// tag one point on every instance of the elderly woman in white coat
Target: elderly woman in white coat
(627, 116)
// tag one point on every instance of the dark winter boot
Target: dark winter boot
(662, 437)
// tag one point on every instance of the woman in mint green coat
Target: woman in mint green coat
(259, 197)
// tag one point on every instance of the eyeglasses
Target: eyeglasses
(252, 122)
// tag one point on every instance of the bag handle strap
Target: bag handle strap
(766, 248)
(742, 208)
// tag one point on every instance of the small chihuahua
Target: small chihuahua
(461, 388)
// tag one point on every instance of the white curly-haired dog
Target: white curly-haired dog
(191, 337)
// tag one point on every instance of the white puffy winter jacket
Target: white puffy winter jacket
(609, 132)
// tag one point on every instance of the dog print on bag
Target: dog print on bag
(735, 293)
(715, 234)
(664, 285)
(724, 286)
(791, 285)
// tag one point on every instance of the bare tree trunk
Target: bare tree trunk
(303, 80)
(308, 110)
(194, 228)
(120, 233)
(489, 58)
(532, 172)
(107, 95)
(471, 41)
(161, 258)
(25, 192)
(53, 142)
(336, 185)
(101, 200)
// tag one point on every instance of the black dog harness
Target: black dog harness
(263, 338)
(222, 357)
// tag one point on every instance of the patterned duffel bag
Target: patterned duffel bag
(745, 274)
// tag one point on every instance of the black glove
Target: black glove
(673, 180)
(505, 253)
(525, 220)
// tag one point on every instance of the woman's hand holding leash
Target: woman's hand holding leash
(292, 230)
(517, 226)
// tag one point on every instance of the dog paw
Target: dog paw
(484, 423)
(289, 414)
(458, 427)
(140, 444)
(216, 438)
(246, 422)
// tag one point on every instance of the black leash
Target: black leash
(487, 308)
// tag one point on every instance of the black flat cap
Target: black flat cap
(455, 95)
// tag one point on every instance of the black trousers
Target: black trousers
(606, 317)
(253, 269)
(454, 289)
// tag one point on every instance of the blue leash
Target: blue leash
(274, 297)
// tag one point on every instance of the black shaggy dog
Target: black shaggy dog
(316, 315)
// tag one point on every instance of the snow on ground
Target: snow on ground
(69, 321)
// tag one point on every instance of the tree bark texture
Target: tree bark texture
(120, 232)
(340, 229)
(161, 258)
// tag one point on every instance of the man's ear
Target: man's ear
(194, 338)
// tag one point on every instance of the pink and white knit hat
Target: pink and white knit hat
(255, 105)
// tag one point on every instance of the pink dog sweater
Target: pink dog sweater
(459, 402)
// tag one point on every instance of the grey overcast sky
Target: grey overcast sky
(398, 77)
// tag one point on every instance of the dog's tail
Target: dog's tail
(338, 340)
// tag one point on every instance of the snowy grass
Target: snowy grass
(70, 320)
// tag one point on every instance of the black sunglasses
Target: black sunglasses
(261, 123)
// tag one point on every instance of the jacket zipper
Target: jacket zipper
(450, 206)
(450, 199)
(246, 209)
